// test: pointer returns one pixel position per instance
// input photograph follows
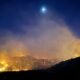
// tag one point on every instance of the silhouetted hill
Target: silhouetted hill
(66, 70)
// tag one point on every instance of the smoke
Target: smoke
(55, 40)
(48, 38)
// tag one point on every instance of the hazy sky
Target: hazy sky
(52, 34)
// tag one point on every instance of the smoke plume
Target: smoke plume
(47, 38)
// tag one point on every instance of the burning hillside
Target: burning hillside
(10, 63)
(15, 57)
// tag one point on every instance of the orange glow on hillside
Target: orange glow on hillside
(3, 65)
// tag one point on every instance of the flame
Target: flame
(14, 64)
(3, 65)
(13, 58)
(76, 55)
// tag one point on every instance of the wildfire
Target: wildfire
(15, 57)
(11, 63)
(14, 66)
(3, 66)
(76, 55)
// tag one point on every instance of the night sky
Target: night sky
(21, 20)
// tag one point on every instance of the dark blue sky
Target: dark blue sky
(14, 13)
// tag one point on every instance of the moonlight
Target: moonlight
(43, 9)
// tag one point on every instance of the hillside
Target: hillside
(69, 69)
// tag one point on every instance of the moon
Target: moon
(43, 9)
